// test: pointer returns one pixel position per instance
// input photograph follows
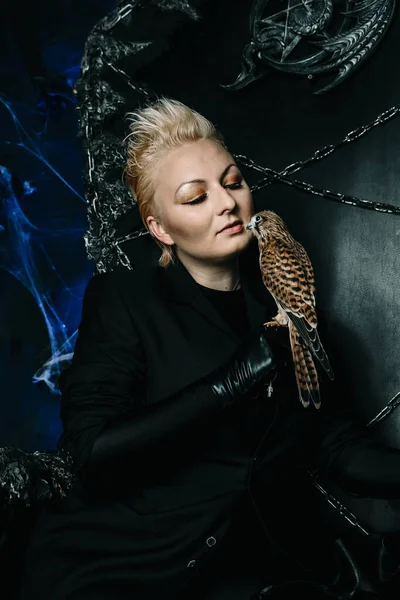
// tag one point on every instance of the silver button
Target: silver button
(191, 563)
(211, 541)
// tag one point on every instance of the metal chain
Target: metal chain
(120, 15)
(322, 153)
(386, 411)
(312, 189)
(343, 510)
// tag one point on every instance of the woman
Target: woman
(165, 407)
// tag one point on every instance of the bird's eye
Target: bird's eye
(258, 219)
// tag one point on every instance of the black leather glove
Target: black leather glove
(132, 436)
(251, 364)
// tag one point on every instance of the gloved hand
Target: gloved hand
(251, 364)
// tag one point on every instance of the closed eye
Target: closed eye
(234, 186)
(231, 186)
(197, 200)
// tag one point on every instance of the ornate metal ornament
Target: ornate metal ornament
(327, 39)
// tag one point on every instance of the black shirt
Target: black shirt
(232, 307)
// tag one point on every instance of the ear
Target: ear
(158, 231)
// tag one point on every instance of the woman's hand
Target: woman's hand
(250, 365)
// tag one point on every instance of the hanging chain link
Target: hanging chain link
(386, 410)
(119, 14)
(282, 176)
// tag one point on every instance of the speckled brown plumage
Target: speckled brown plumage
(288, 275)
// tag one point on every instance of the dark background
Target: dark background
(275, 121)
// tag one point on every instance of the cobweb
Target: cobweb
(23, 242)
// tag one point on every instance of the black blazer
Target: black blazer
(144, 335)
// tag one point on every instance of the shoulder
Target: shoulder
(130, 285)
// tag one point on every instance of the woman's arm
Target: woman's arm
(106, 379)
(106, 421)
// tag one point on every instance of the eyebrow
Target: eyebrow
(224, 172)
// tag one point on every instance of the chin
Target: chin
(236, 249)
(244, 241)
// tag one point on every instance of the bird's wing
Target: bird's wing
(288, 274)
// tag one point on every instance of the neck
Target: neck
(217, 276)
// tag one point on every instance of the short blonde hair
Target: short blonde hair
(154, 131)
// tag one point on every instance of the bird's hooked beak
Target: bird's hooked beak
(250, 224)
(253, 226)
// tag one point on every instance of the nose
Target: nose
(224, 200)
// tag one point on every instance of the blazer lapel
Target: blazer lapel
(181, 288)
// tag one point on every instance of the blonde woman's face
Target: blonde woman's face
(199, 191)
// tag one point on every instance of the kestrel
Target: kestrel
(288, 275)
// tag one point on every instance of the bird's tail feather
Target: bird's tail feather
(313, 341)
(305, 371)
